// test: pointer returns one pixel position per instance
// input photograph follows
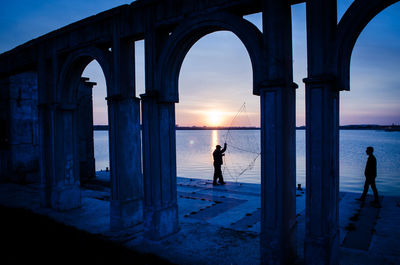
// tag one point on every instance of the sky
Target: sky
(216, 76)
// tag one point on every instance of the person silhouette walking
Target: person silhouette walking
(217, 155)
(370, 175)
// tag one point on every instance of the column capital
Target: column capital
(323, 81)
(120, 98)
(275, 85)
(320, 79)
(156, 96)
(152, 94)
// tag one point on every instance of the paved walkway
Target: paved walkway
(221, 224)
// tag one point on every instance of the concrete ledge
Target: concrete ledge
(231, 237)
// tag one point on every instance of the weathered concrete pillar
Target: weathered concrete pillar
(278, 150)
(124, 138)
(66, 187)
(159, 167)
(125, 162)
(59, 163)
(322, 136)
(59, 157)
(278, 176)
(159, 149)
(47, 152)
(87, 167)
(322, 172)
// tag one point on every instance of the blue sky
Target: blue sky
(215, 79)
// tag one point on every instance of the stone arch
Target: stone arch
(73, 68)
(353, 22)
(188, 33)
(66, 117)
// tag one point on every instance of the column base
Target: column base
(125, 213)
(161, 223)
(322, 250)
(274, 252)
(61, 198)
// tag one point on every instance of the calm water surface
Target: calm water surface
(242, 162)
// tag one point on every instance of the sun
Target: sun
(215, 118)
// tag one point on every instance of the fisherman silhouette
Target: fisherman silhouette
(217, 155)
(370, 175)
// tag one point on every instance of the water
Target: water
(194, 156)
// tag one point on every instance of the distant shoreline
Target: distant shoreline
(391, 128)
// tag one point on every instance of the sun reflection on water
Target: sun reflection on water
(214, 139)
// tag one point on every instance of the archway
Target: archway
(187, 34)
(369, 54)
(159, 113)
(126, 197)
(73, 135)
(373, 98)
(276, 91)
(98, 140)
(214, 82)
(353, 22)
(77, 119)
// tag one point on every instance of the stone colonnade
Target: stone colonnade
(143, 158)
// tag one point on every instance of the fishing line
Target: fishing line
(229, 139)
(234, 118)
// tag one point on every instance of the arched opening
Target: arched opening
(97, 144)
(367, 113)
(187, 34)
(159, 130)
(74, 143)
(372, 100)
(215, 80)
(169, 66)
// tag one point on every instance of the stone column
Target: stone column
(47, 159)
(66, 192)
(278, 149)
(59, 157)
(59, 163)
(124, 137)
(159, 167)
(278, 175)
(322, 136)
(125, 162)
(322, 171)
(158, 136)
(87, 167)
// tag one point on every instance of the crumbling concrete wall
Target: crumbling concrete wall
(23, 128)
(4, 129)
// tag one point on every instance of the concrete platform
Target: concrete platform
(221, 224)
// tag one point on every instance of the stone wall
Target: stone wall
(4, 132)
(22, 128)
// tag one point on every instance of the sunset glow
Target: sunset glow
(215, 118)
